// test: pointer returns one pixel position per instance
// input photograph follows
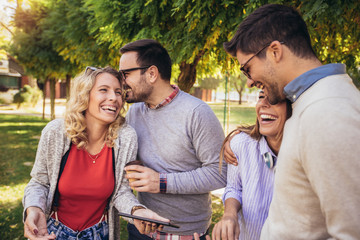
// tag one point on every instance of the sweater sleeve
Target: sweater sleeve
(330, 156)
(37, 190)
(207, 137)
(124, 200)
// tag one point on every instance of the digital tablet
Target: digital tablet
(169, 224)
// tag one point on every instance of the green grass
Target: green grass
(19, 136)
(239, 114)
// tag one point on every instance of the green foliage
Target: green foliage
(31, 47)
(28, 94)
(210, 82)
(54, 37)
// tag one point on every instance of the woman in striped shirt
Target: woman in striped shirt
(250, 175)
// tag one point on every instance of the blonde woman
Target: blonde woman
(78, 183)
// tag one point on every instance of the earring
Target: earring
(268, 159)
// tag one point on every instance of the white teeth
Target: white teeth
(266, 116)
(110, 108)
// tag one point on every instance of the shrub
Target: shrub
(27, 94)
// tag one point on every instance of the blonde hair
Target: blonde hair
(78, 103)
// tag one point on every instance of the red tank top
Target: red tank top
(85, 187)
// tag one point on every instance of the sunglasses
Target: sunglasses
(124, 71)
(246, 71)
(90, 69)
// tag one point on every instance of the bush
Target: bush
(27, 94)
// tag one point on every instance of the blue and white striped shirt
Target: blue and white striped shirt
(251, 183)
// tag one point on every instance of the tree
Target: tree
(238, 82)
(190, 30)
(34, 50)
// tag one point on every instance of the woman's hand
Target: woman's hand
(227, 228)
(229, 156)
(35, 227)
(147, 227)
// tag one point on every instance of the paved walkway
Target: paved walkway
(37, 110)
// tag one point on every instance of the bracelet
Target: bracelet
(136, 208)
(163, 182)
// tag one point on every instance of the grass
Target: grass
(19, 136)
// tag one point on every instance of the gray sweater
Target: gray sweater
(183, 140)
(52, 146)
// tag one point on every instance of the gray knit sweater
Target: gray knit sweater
(183, 140)
(52, 146)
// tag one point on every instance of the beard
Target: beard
(141, 93)
(274, 94)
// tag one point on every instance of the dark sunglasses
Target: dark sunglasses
(246, 71)
(124, 71)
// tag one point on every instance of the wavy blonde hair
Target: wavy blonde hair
(78, 103)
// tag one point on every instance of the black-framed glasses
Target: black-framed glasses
(124, 71)
(245, 71)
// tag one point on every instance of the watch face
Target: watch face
(268, 159)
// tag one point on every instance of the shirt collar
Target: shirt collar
(299, 85)
(264, 147)
(168, 99)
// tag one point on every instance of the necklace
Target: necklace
(96, 155)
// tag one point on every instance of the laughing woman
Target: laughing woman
(78, 185)
(249, 187)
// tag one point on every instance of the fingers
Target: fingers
(229, 156)
(137, 168)
(216, 233)
(146, 181)
(196, 236)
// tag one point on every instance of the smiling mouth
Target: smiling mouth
(268, 117)
(109, 108)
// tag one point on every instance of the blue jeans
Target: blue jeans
(99, 231)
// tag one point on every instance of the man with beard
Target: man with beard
(316, 191)
(179, 143)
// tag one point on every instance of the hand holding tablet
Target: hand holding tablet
(169, 224)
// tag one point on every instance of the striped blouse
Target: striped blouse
(251, 183)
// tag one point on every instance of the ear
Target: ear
(153, 74)
(276, 51)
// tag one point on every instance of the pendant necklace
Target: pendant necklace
(96, 155)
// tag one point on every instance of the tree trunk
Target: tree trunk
(44, 97)
(187, 75)
(52, 98)
(239, 89)
(68, 85)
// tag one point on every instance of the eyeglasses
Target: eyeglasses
(88, 69)
(124, 71)
(246, 71)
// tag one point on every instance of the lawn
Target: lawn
(19, 136)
